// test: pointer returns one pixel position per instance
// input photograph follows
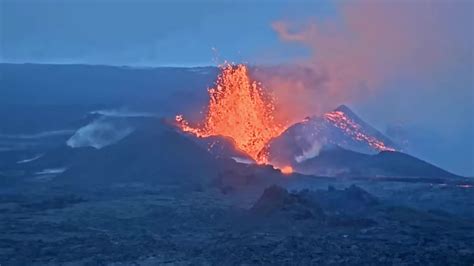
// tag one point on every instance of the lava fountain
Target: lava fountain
(239, 109)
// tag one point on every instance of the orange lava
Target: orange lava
(287, 170)
(238, 108)
(351, 128)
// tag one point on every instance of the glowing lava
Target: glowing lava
(354, 130)
(287, 170)
(238, 108)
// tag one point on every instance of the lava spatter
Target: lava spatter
(238, 108)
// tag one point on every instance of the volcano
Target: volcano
(340, 143)
(340, 127)
(240, 123)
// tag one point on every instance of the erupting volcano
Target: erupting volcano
(340, 127)
(240, 109)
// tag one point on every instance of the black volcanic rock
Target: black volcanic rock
(62, 156)
(154, 153)
(337, 207)
(349, 200)
(276, 200)
(221, 146)
(273, 198)
(341, 162)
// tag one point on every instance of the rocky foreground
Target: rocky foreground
(333, 222)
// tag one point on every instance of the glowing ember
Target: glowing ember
(239, 109)
(351, 128)
(287, 170)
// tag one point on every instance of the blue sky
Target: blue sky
(141, 32)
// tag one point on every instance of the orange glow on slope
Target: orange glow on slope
(239, 109)
(286, 170)
(351, 128)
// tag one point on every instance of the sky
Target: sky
(152, 33)
(397, 63)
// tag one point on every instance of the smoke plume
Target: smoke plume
(368, 44)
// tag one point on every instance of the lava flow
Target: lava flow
(287, 170)
(351, 128)
(238, 108)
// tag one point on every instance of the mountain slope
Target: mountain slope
(153, 153)
(340, 127)
(340, 143)
(340, 162)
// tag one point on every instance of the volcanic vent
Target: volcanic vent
(239, 109)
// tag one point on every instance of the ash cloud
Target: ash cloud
(368, 45)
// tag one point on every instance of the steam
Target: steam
(122, 113)
(100, 133)
(311, 152)
(369, 44)
(112, 126)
